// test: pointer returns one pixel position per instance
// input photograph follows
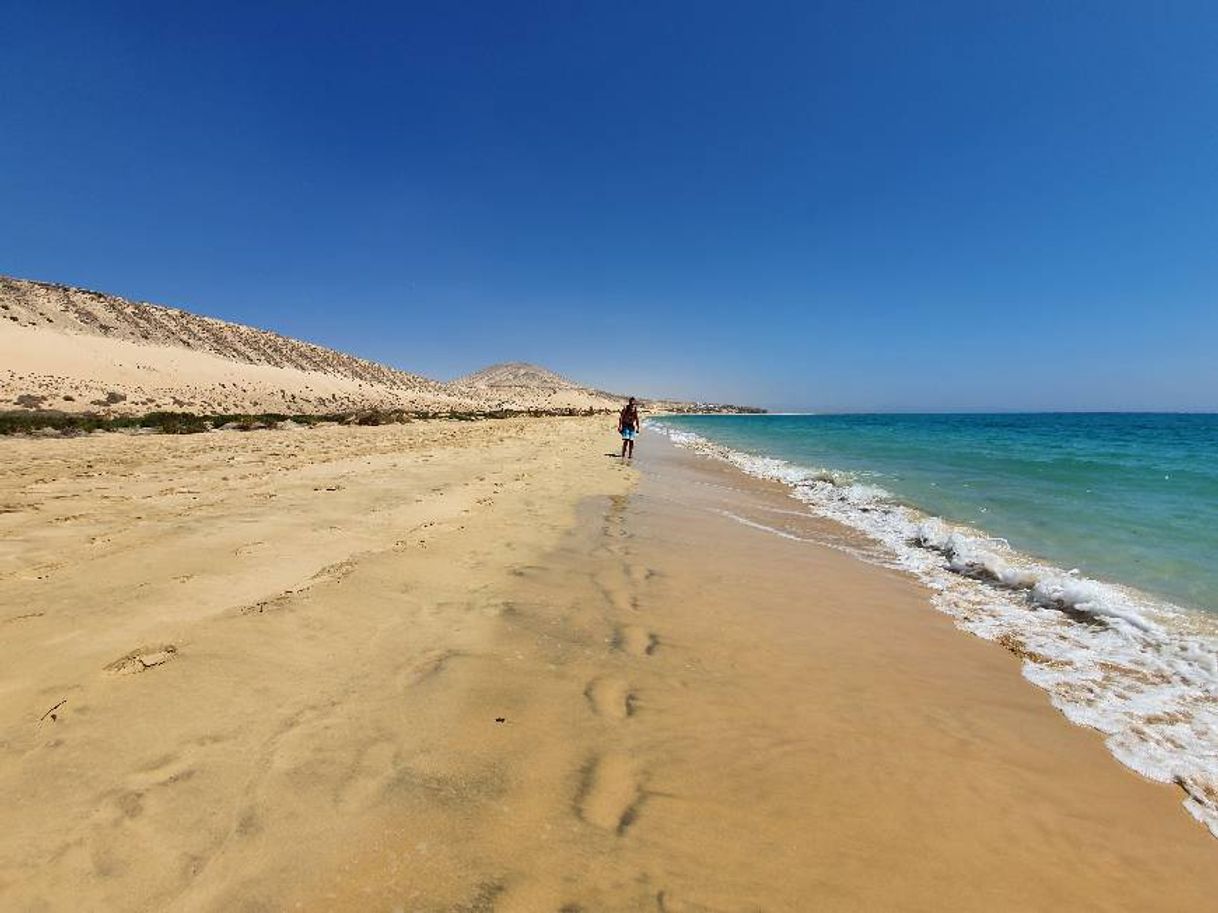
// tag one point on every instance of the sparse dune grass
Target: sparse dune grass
(67, 424)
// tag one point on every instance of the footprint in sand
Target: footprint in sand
(376, 765)
(166, 770)
(609, 795)
(635, 640)
(526, 570)
(533, 894)
(621, 601)
(142, 791)
(610, 697)
(142, 659)
(336, 572)
(250, 548)
(669, 904)
(639, 574)
(430, 665)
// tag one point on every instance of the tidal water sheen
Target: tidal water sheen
(1130, 498)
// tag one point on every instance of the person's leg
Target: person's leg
(630, 450)
(625, 444)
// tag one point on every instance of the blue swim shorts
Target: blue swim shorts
(627, 434)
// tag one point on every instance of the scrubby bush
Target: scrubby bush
(175, 422)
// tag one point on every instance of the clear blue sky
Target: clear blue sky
(805, 205)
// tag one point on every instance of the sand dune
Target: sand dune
(74, 350)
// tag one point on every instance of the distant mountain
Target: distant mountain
(533, 387)
(516, 374)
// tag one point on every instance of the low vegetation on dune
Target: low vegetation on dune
(67, 424)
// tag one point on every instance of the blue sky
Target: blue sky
(804, 205)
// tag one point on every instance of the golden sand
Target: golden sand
(484, 667)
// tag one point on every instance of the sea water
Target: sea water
(1085, 543)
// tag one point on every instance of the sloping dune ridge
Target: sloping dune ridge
(74, 350)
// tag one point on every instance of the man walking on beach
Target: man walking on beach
(628, 427)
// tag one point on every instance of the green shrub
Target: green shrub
(175, 422)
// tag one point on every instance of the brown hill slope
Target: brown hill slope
(78, 350)
(517, 374)
(534, 387)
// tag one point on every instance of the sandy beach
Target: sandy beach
(483, 666)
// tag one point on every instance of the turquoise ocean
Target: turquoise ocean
(1130, 498)
(1086, 543)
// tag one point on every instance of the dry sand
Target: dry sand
(483, 667)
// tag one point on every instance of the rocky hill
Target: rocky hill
(515, 374)
(532, 386)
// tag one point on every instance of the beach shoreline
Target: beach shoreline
(486, 667)
(1123, 661)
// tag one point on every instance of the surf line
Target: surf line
(761, 526)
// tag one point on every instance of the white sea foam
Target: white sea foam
(753, 524)
(1142, 672)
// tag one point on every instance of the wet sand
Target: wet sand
(508, 674)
